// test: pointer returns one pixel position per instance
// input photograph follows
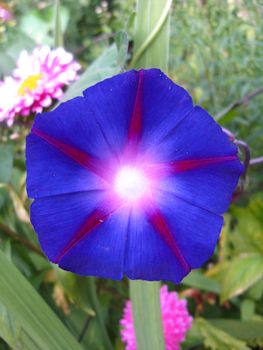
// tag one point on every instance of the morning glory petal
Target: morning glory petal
(130, 180)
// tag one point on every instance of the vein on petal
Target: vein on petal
(85, 160)
(179, 166)
(135, 128)
(158, 221)
(95, 219)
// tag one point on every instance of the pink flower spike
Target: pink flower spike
(175, 317)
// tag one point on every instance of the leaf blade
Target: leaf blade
(30, 310)
(242, 273)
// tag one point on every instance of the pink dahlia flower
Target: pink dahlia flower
(175, 317)
(38, 79)
(9, 100)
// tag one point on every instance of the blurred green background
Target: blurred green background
(216, 53)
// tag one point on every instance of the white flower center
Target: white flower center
(130, 183)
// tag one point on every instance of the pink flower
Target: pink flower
(9, 100)
(175, 317)
(5, 14)
(37, 80)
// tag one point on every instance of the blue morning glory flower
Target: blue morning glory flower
(130, 179)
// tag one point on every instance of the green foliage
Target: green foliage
(216, 53)
(6, 161)
(249, 331)
(216, 339)
(122, 42)
(242, 265)
(197, 279)
(82, 291)
(103, 67)
(31, 314)
(241, 274)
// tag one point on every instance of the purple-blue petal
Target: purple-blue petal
(111, 103)
(148, 257)
(164, 106)
(50, 172)
(102, 252)
(56, 219)
(73, 123)
(198, 137)
(195, 230)
(73, 152)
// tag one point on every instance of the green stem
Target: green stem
(151, 49)
(146, 313)
(96, 306)
(58, 36)
(152, 34)
(155, 31)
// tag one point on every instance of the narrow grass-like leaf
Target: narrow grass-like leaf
(58, 36)
(31, 311)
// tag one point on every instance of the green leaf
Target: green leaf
(13, 333)
(223, 118)
(77, 289)
(31, 312)
(256, 291)
(215, 338)
(103, 67)
(247, 236)
(241, 274)
(245, 330)
(146, 313)
(82, 290)
(10, 331)
(122, 42)
(39, 25)
(19, 208)
(247, 309)
(6, 161)
(198, 280)
(9, 53)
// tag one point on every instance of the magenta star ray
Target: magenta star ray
(82, 158)
(135, 128)
(158, 221)
(98, 216)
(178, 166)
